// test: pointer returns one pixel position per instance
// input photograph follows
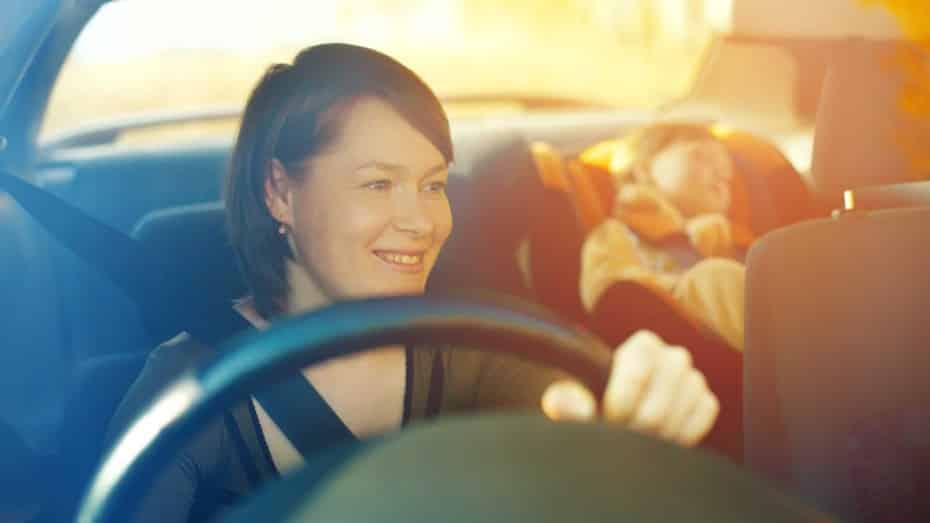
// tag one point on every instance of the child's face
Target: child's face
(695, 176)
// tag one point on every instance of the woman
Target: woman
(336, 191)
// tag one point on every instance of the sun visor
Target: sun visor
(812, 19)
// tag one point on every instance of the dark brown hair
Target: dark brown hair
(293, 114)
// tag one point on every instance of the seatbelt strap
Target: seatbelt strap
(159, 291)
(303, 416)
(113, 252)
(309, 427)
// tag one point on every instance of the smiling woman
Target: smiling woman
(367, 194)
(335, 204)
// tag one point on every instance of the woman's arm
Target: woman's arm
(483, 380)
(653, 388)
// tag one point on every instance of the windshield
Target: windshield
(139, 57)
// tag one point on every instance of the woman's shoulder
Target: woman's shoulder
(180, 351)
(168, 360)
(164, 363)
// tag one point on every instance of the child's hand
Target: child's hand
(647, 211)
(710, 234)
(608, 254)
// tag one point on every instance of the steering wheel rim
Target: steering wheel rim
(256, 359)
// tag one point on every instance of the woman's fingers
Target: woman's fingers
(569, 401)
(655, 389)
(672, 368)
(689, 397)
(700, 422)
(634, 363)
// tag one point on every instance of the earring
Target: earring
(282, 229)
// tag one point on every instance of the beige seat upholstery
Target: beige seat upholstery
(861, 128)
(837, 357)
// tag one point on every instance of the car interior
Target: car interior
(108, 250)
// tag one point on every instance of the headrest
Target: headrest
(863, 131)
(193, 239)
(509, 202)
(775, 194)
(490, 207)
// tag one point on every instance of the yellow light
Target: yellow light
(721, 130)
(719, 15)
(622, 160)
(849, 201)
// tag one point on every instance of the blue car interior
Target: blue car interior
(832, 384)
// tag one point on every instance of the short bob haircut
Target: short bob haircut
(293, 114)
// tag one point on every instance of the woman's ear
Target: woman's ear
(278, 193)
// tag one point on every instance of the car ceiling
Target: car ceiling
(822, 19)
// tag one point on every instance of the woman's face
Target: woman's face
(695, 176)
(371, 215)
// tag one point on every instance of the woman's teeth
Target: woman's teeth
(401, 259)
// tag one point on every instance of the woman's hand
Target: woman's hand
(653, 389)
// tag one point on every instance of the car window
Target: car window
(144, 61)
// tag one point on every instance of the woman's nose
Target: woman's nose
(411, 214)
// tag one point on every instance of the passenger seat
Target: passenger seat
(837, 383)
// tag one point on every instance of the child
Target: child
(672, 224)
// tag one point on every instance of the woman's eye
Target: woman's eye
(436, 187)
(378, 185)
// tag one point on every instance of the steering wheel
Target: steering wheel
(417, 470)
(257, 359)
(523, 468)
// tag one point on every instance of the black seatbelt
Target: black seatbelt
(114, 253)
(304, 417)
(159, 290)
(161, 293)
(310, 424)
(295, 406)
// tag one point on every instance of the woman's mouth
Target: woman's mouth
(410, 262)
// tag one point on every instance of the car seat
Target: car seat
(837, 338)
(862, 132)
